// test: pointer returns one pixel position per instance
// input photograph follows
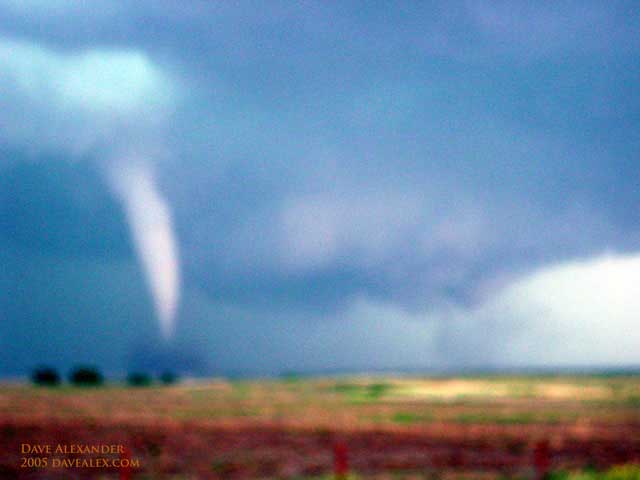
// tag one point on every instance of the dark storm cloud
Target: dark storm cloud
(63, 311)
(51, 207)
(331, 162)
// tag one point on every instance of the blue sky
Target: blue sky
(305, 185)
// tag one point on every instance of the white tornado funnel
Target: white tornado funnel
(151, 226)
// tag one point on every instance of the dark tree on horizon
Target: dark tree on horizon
(86, 376)
(45, 376)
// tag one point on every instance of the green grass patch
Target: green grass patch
(633, 401)
(408, 418)
(515, 419)
(357, 393)
(622, 472)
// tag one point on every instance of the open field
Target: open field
(481, 427)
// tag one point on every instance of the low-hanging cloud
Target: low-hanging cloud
(110, 105)
(575, 312)
(572, 313)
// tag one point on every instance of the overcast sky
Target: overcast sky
(232, 187)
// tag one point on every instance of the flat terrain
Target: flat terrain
(391, 427)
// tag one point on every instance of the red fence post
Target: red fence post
(340, 460)
(125, 472)
(542, 459)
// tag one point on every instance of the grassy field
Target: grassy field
(345, 402)
(394, 427)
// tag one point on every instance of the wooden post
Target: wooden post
(542, 459)
(125, 472)
(340, 461)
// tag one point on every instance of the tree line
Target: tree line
(90, 376)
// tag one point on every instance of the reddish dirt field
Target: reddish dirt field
(216, 452)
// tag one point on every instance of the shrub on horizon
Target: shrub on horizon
(85, 376)
(139, 379)
(168, 378)
(45, 376)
